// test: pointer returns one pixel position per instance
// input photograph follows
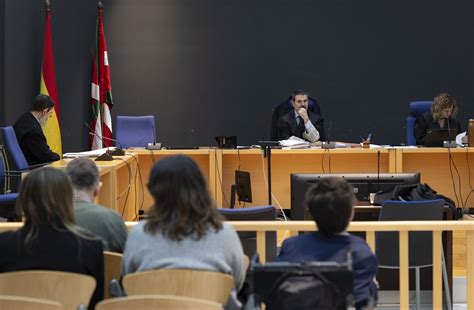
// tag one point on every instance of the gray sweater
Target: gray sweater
(221, 252)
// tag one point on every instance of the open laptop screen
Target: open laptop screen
(435, 137)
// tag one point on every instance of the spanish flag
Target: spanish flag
(48, 86)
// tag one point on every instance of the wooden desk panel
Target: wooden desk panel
(434, 166)
(203, 157)
(286, 162)
(115, 177)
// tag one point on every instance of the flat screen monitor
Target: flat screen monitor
(364, 184)
(242, 188)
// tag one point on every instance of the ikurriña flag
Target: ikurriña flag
(48, 86)
(101, 91)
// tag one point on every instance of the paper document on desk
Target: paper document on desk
(294, 142)
(86, 154)
(459, 139)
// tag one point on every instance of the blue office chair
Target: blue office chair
(15, 159)
(15, 154)
(135, 131)
(285, 107)
(249, 239)
(416, 108)
(420, 244)
(7, 199)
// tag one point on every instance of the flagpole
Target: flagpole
(100, 9)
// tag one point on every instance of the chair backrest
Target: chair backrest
(7, 199)
(135, 131)
(112, 269)
(416, 108)
(207, 285)
(420, 243)
(303, 285)
(27, 303)
(69, 289)
(283, 108)
(249, 239)
(15, 154)
(152, 302)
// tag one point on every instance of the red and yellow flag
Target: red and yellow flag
(48, 87)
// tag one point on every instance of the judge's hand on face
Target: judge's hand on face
(304, 114)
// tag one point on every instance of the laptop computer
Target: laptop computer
(436, 137)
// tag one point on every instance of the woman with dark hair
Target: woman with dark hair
(441, 116)
(183, 229)
(49, 238)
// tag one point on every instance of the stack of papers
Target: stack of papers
(93, 153)
(294, 142)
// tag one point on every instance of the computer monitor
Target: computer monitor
(364, 184)
(242, 187)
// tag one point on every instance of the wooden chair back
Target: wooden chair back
(207, 285)
(28, 303)
(112, 269)
(152, 302)
(69, 289)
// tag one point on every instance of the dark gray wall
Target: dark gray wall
(210, 67)
(2, 61)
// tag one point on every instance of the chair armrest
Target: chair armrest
(39, 165)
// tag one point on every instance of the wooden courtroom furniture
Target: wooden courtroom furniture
(403, 228)
(205, 158)
(69, 289)
(208, 285)
(218, 166)
(118, 179)
(152, 302)
(28, 303)
(112, 270)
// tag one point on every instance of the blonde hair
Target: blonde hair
(46, 199)
(441, 102)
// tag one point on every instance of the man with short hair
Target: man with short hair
(300, 122)
(105, 223)
(29, 132)
(330, 201)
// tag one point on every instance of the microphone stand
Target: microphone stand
(267, 153)
(450, 143)
(118, 151)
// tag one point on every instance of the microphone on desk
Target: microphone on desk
(154, 145)
(118, 151)
(328, 144)
(450, 143)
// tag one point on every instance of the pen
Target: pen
(369, 136)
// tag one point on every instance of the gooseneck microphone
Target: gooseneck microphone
(328, 144)
(450, 143)
(118, 151)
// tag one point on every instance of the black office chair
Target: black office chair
(249, 239)
(420, 245)
(284, 107)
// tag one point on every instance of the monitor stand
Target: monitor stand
(233, 190)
